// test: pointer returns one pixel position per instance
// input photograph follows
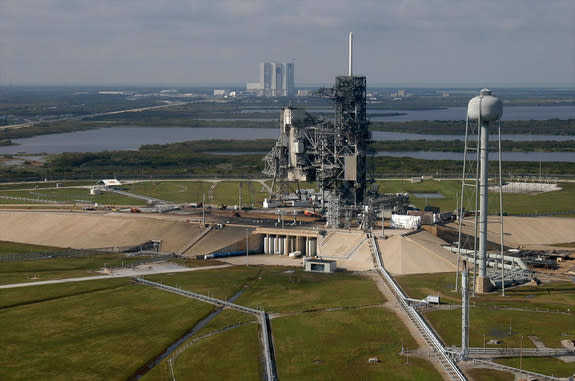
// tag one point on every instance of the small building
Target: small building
(109, 183)
(320, 265)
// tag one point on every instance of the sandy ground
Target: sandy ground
(147, 269)
(529, 232)
(416, 253)
(219, 239)
(83, 230)
(266, 260)
(349, 249)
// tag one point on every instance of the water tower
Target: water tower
(483, 111)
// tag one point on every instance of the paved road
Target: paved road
(125, 273)
(80, 117)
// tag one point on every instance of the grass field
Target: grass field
(502, 318)
(99, 334)
(230, 355)
(220, 283)
(325, 326)
(287, 289)
(512, 203)
(555, 296)
(60, 268)
(43, 184)
(227, 192)
(490, 375)
(336, 345)
(494, 324)
(280, 289)
(16, 248)
(548, 366)
(175, 191)
(67, 195)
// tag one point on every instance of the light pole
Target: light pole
(204, 210)
(483, 342)
(521, 355)
(382, 221)
(247, 248)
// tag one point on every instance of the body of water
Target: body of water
(493, 156)
(459, 113)
(131, 138)
(452, 113)
(395, 136)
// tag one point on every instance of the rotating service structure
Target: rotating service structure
(333, 154)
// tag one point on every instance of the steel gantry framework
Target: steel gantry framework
(333, 154)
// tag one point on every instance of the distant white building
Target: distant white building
(104, 185)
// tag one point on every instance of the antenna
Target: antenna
(350, 65)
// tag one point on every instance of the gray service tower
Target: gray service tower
(331, 153)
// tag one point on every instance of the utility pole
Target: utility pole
(521, 355)
(204, 210)
(240, 200)
(382, 222)
(247, 248)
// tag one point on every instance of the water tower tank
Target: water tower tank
(491, 107)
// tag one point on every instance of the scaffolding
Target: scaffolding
(333, 154)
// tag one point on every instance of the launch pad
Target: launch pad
(333, 154)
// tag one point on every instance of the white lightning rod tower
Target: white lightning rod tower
(350, 58)
(464, 313)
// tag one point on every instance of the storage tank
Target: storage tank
(485, 106)
(266, 245)
(286, 246)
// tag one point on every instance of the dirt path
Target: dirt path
(423, 351)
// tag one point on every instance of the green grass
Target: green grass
(175, 191)
(219, 283)
(547, 366)
(227, 318)
(336, 345)
(43, 184)
(231, 355)
(494, 324)
(37, 294)
(419, 286)
(480, 374)
(68, 195)
(60, 268)
(227, 192)
(279, 289)
(554, 296)
(512, 203)
(101, 335)
(487, 319)
(287, 290)
(16, 248)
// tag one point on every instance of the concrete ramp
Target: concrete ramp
(415, 254)
(528, 232)
(349, 249)
(86, 231)
(229, 238)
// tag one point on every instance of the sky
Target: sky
(221, 42)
